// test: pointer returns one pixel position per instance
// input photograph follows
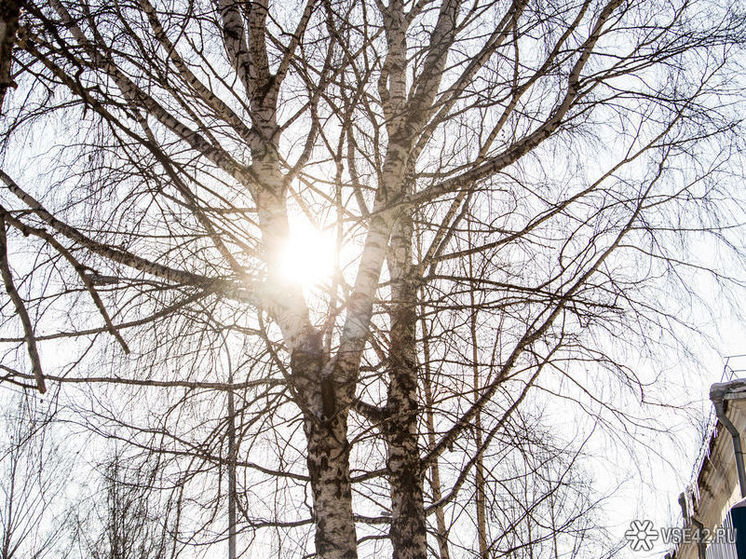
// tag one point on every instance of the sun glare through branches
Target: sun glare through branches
(308, 256)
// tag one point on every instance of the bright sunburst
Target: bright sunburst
(307, 257)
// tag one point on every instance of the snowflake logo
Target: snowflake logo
(641, 535)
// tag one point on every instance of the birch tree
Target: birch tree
(504, 183)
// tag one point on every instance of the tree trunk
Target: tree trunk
(329, 467)
(408, 526)
(408, 522)
(326, 409)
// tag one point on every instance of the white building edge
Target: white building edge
(706, 503)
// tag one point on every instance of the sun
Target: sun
(307, 257)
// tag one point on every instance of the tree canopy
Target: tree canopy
(341, 263)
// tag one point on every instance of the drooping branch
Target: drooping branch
(20, 307)
(115, 254)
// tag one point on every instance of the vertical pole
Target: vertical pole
(479, 481)
(231, 472)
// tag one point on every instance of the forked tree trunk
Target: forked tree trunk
(325, 409)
